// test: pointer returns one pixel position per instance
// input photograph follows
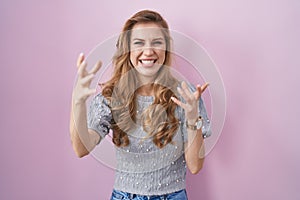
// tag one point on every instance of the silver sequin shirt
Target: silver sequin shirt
(143, 168)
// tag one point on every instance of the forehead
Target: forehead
(146, 31)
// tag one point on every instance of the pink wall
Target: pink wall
(255, 45)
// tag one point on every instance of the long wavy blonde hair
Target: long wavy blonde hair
(158, 120)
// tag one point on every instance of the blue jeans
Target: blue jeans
(119, 195)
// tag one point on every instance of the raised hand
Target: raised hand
(82, 88)
(191, 99)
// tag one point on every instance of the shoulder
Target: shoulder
(99, 99)
(99, 105)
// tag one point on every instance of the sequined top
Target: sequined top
(142, 168)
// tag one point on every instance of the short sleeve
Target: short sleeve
(206, 130)
(99, 115)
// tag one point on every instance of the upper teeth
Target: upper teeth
(147, 61)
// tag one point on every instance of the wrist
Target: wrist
(192, 121)
(77, 102)
(194, 124)
(192, 117)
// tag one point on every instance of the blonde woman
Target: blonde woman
(158, 123)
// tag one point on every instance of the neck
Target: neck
(145, 90)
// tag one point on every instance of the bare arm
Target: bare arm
(194, 151)
(83, 139)
(194, 147)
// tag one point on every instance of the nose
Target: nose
(148, 51)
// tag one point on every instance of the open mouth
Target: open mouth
(148, 61)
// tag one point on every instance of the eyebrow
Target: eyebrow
(144, 40)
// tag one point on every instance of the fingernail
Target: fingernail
(81, 54)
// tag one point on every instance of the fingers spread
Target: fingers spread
(204, 87)
(96, 67)
(91, 91)
(186, 93)
(197, 93)
(201, 89)
(182, 93)
(80, 59)
(82, 69)
(87, 79)
(179, 103)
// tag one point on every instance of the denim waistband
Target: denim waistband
(120, 195)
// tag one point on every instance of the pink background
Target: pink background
(255, 44)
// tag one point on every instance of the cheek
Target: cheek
(162, 56)
(132, 58)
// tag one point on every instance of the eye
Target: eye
(138, 43)
(157, 42)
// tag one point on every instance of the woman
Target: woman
(158, 122)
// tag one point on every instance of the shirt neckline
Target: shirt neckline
(144, 98)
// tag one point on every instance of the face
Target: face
(147, 50)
